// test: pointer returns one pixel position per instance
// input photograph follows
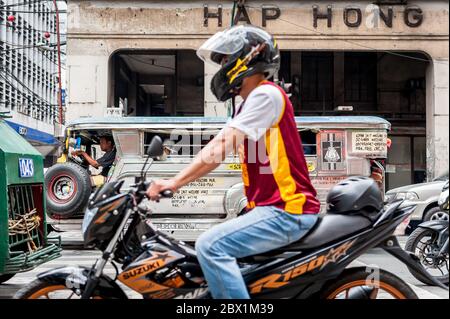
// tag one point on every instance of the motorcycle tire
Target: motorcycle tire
(5, 277)
(39, 289)
(411, 245)
(68, 188)
(359, 277)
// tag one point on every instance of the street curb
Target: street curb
(421, 293)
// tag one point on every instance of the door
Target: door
(406, 162)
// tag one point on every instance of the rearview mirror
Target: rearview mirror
(156, 147)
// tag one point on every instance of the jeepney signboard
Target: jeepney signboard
(196, 193)
(202, 196)
(369, 143)
(326, 182)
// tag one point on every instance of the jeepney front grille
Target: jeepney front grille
(23, 199)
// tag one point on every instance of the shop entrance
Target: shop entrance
(157, 83)
(390, 85)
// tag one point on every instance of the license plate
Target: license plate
(26, 167)
(177, 226)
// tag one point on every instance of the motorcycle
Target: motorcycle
(429, 241)
(157, 266)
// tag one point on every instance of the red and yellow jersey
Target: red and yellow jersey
(274, 169)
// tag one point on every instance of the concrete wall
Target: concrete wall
(437, 118)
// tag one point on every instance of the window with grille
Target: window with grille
(2, 96)
(317, 81)
(360, 80)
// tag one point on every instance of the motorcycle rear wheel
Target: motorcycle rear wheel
(359, 283)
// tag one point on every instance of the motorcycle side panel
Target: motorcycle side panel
(311, 270)
(161, 273)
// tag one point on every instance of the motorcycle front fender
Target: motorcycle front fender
(392, 246)
(436, 225)
(75, 278)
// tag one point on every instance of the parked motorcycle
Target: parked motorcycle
(429, 241)
(157, 266)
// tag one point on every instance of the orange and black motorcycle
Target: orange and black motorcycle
(157, 266)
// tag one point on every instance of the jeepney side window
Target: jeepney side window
(309, 142)
(181, 143)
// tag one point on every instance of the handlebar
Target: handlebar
(142, 189)
(164, 194)
(167, 193)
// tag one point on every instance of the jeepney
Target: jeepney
(335, 148)
(24, 244)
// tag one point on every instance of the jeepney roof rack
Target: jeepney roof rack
(141, 121)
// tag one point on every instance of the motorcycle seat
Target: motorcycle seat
(329, 228)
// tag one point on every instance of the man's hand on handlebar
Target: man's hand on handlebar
(77, 153)
(159, 186)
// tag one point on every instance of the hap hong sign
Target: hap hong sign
(352, 16)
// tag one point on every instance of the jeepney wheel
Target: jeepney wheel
(5, 277)
(68, 188)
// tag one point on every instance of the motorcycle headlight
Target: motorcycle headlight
(407, 196)
(88, 215)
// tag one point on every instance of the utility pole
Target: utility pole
(61, 118)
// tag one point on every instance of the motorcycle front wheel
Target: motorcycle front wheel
(360, 283)
(423, 243)
(39, 289)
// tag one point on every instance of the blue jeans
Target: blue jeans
(263, 229)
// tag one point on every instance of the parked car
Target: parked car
(425, 196)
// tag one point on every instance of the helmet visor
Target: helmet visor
(230, 41)
(220, 44)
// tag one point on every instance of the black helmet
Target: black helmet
(354, 194)
(248, 49)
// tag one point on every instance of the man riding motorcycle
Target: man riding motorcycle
(282, 202)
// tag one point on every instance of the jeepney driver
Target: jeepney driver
(282, 202)
(106, 161)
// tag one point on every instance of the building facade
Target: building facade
(28, 70)
(387, 58)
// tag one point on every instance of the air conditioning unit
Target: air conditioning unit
(346, 108)
(119, 111)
